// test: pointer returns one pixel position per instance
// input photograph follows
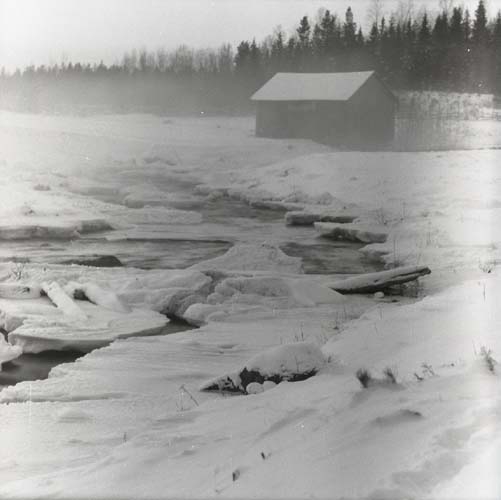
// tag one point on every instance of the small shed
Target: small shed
(348, 109)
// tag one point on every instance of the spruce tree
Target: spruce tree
(349, 29)
(480, 33)
(304, 44)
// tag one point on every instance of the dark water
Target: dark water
(34, 366)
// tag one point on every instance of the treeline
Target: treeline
(452, 51)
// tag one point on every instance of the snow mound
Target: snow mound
(268, 289)
(251, 257)
(72, 415)
(242, 294)
(139, 196)
(290, 362)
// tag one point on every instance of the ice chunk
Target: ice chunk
(19, 291)
(8, 352)
(297, 292)
(97, 295)
(251, 257)
(63, 302)
(39, 333)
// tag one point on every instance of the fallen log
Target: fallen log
(303, 218)
(375, 282)
(352, 232)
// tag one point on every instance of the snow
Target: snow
(312, 86)
(132, 407)
(300, 357)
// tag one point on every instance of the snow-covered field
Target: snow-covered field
(129, 419)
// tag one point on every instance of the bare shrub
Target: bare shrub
(488, 358)
(390, 375)
(364, 377)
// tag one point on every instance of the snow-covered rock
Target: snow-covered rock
(289, 362)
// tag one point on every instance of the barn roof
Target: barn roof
(312, 86)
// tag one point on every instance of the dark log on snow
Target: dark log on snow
(303, 218)
(352, 232)
(375, 282)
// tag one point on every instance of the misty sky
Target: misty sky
(49, 31)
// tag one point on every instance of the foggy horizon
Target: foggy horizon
(64, 32)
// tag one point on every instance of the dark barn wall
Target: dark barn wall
(322, 121)
(331, 119)
(269, 120)
(372, 114)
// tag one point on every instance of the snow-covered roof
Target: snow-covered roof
(312, 86)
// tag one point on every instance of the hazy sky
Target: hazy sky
(47, 31)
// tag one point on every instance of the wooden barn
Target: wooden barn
(344, 109)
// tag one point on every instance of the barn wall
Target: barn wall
(322, 121)
(330, 126)
(269, 122)
(372, 115)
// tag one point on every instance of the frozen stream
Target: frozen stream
(165, 246)
(168, 246)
